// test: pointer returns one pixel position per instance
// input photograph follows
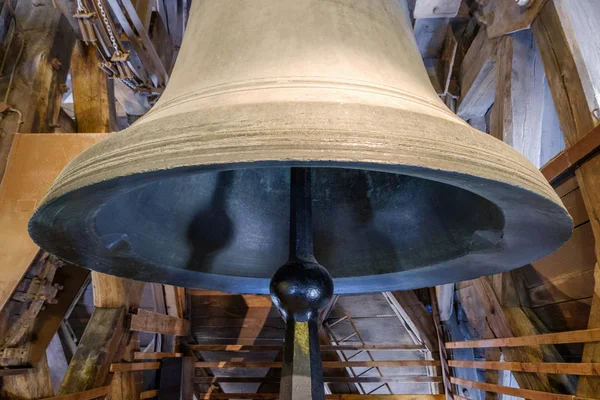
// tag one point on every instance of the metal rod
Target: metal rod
(301, 234)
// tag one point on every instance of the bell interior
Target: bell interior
(236, 222)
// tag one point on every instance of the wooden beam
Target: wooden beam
(567, 35)
(511, 321)
(478, 77)
(135, 366)
(93, 92)
(324, 347)
(148, 321)
(589, 369)
(32, 384)
(37, 65)
(274, 396)
(98, 347)
(504, 17)
(86, 395)
(517, 113)
(155, 356)
(327, 379)
(149, 394)
(584, 336)
(517, 392)
(326, 364)
(445, 300)
(416, 316)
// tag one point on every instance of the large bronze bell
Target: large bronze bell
(296, 135)
(197, 192)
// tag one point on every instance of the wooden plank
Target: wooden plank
(326, 364)
(517, 392)
(430, 34)
(436, 8)
(149, 394)
(85, 395)
(516, 117)
(573, 202)
(506, 16)
(567, 186)
(478, 77)
(93, 92)
(573, 156)
(32, 384)
(327, 379)
(36, 83)
(155, 356)
(32, 167)
(135, 366)
(445, 300)
(591, 369)
(576, 255)
(582, 336)
(345, 347)
(573, 314)
(274, 396)
(96, 350)
(577, 286)
(414, 313)
(148, 321)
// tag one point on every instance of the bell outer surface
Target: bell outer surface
(323, 84)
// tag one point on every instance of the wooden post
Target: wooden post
(36, 68)
(567, 33)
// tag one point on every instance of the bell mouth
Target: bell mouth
(227, 228)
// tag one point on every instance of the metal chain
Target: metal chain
(108, 27)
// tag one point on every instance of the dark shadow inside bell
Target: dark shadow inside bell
(236, 222)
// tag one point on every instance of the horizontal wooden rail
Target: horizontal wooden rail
(573, 156)
(274, 396)
(87, 395)
(517, 392)
(588, 369)
(336, 379)
(326, 364)
(149, 321)
(358, 347)
(149, 394)
(135, 366)
(154, 356)
(584, 336)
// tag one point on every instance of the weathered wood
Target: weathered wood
(573, 156)
(574, 315)
(148, 321)
(478, 77)
(326, 364)
(517, 114)
(506, 16)
(592, 369)
(32, 384)
(149, 394)
(445, 300)
(126, 385)
(577, 286)
(86, 395)
(583, 336)
(514, 321)
(155, 356)
(327, 379)
(343, 347)
(436, 8)
(430, 34)
(37, 64)
(98, 347)
(273, 396)
(110, 291)
(31, 169)
(135, 366)
(414, 313)
(567, 37)
(518, 392)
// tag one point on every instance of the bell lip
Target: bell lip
(430, 275)
(377, 138)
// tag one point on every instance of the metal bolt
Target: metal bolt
(56, 64)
